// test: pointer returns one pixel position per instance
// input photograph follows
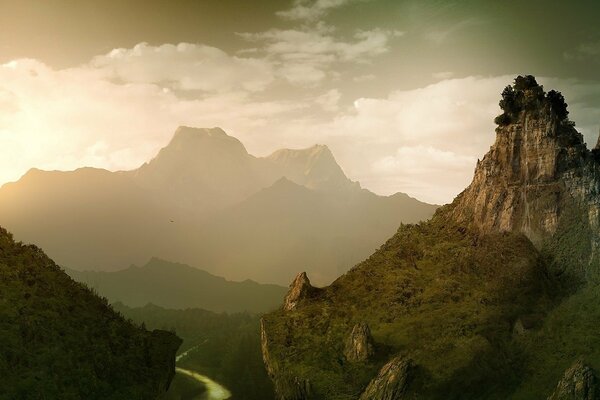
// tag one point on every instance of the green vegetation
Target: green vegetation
(224, 347)
(61, 341)
(569, 332)
(526, 94)
(436, 292)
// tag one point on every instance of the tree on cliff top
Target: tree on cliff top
(526, 94)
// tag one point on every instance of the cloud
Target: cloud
(419, 169)
(330, 100)
(64, 119)
(425, 141)
(185, 66)
(422, 141)
(364, 78)
(305, 56)
(311, 10)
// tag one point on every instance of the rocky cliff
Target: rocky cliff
(515, 253)
(300, 290)
(539, 179)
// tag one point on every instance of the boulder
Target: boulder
(578, 383)
(391, 383)
(359, 345)
(300, 289)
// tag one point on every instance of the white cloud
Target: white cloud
(330, 100)
(64, 119)
(422, 141)
(311, 10)
(364, 78)
(185, 66)
(426, 170)
(305, 56)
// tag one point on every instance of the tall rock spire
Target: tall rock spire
(538, 178)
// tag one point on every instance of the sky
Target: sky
(403, 92)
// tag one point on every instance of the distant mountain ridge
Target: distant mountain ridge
(179, 286)
(179, 206)
(208, 168)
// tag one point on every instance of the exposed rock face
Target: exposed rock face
(536, 176)
(391, 383)
(578, 383)
(286, 387)
(300, 289)
(359, 345)
(520, 182)
(264, 345)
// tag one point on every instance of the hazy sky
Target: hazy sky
(404, 92)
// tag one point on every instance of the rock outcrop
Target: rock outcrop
(359, 345)
(537, 178)
(391, 383)
(286, 387)
(300, 289)
(578, 383)
(292, 388)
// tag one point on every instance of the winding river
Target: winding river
(214, 390)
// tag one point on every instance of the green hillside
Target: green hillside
(61, 341)
(436, 293)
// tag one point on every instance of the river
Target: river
(214, 390)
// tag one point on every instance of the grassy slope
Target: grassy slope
(569, 332)
(60, 340)
(434, 291)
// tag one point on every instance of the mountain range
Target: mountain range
(204, 201)
(496, 297)
(179, 286)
